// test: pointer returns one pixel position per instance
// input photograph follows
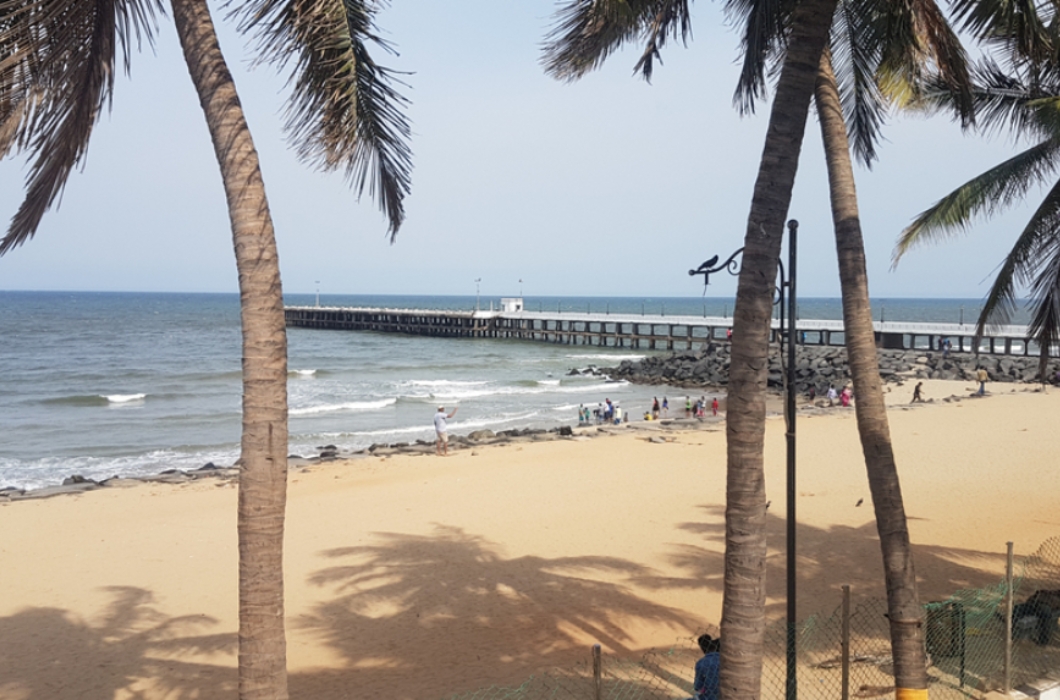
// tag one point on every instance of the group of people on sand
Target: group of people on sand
(698, 409)
(845, 397)
(606, 412)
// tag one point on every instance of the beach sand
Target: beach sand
(420, 576)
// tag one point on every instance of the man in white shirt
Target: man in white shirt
(442, 445)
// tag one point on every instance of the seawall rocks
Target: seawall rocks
(823, 366)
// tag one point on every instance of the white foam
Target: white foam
(304, 372)
(346, 406)
(611, 357)
(124, 398)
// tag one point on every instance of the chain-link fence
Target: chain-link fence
(965, 637)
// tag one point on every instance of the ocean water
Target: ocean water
(104, 384)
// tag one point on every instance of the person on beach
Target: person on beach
(666, 403)
(813, 393)
(981, 376)
(844, 397)
(714, 406)
(688, 407)
(831, 395)
(655, 407)
(707, 682)
(917, 398)
(441, 447)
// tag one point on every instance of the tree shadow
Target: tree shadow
(829, 558)
(50, 654)
(411, 606)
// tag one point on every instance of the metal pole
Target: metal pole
(845, 645)
(598, 681)
(1008, 620)
(792, 679)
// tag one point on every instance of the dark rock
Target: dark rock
(77, 479)
(565, 430)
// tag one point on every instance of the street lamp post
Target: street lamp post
(787, 330)
(477, 280)
(318, 292)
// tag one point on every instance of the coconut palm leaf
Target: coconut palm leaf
(764, 23)
(1034, 262)
(1013, 25)
(586, 32)
(984, 195)
(345, 111)
(855, 51)
(56, 77)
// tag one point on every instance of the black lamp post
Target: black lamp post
(787, 331)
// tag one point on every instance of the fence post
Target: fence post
(598, 681)
(1008, 620)
(845, 644)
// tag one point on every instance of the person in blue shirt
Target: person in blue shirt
(706, 684)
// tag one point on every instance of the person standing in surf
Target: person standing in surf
(441, 447)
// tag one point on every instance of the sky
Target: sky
(607, 186)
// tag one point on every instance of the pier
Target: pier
(642, 332)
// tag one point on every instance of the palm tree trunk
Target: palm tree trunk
(743, 609)
(263, 472)
(903, 606)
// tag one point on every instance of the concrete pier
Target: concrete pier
(642, 332)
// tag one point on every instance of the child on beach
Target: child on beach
(706, 684)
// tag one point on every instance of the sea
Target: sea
(101, 384)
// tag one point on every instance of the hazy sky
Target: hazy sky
(608, 186)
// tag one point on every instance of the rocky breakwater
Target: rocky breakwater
(817, 366)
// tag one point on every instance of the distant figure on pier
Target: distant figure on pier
(728, 334)
(917, 398)
(946, 347)
(441, 446)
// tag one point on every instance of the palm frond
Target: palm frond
(57, 62)
(986, 194)
(855, 48)
(1033, 262)
(586, 32)
(1044, 327)
(922, 48)
(1013, 25)
(672, 19)
(345, 111)
(764, 25)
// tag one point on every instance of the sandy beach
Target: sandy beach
(499, 561)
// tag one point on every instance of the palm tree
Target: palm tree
(878, 47)
(57, 61)
(587, 32)
(1024, 98)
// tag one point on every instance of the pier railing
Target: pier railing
(645, 331)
